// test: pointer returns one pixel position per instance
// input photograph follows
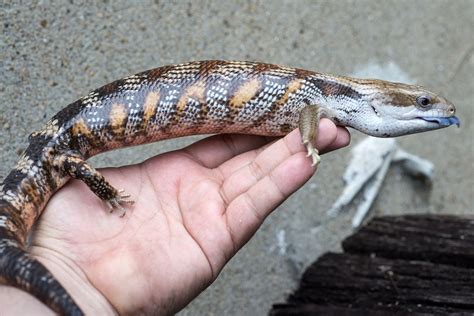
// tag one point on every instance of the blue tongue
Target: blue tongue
(444, 121)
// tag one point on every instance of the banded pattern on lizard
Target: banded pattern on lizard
(203, 97)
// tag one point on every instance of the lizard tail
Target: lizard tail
(21, 270)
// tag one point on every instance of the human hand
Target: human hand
(194, 209)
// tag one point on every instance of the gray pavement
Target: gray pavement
(51, 53)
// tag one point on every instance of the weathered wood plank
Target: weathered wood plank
(312, 309)
(419, 265)
(435, 238)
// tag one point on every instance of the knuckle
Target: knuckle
(256, 170)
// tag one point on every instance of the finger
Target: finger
(248, 210)
(214, 150)
(343, 138)
(252, 171)
(326, 137)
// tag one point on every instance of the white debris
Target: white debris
(415, 165)
(370, 162)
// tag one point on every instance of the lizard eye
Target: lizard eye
(423, 101)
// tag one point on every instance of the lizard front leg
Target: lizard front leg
(308, 125)
(76, 167)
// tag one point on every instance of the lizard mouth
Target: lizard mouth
(443, 121)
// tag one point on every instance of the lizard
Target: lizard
(201, 97)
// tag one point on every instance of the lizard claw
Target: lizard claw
(117, 201)
(313, 153)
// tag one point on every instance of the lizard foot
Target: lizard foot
(118, 201)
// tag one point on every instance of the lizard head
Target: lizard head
(406, 109)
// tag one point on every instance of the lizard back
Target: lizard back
(193, 98)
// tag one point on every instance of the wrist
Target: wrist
(74, 280)
(18, 302)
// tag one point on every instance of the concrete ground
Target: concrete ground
(53, 53)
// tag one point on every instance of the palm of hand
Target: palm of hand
(194, 209)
